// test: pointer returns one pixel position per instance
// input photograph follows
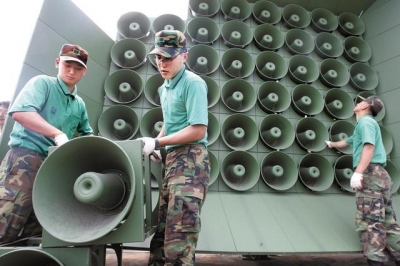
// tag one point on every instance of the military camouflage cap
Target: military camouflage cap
(169, 43)
(375, 104)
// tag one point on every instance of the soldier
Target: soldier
(3, 112)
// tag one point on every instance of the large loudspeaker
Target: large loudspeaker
(356, 50)
(387, 139)
(338, 104)
(302, 69)
(279, 171)
(333, 73)
(119, 122)
(236, 34)
(271, 66)
(366, 94)
(204, 8)
(123, 86)
(213, 91)
(328, 45)
(152, 123)
(341, 130)
(129, 53)
(29, 257)
(239, 132)
(295, 16)
(203, 31)
(316, 172)
(240, 170)
(213, 129)
(268, 37)
(235, 9)
(363, 77)
(203, 59)
(311, 134)
(152, 58)
(323, 20)
(237, 63)
(350, 24)
(299, 42)
(266, 12)
(394, 175)
(214, 167)
(276, 132)
(168, 22)
(273, 97)
(151, 89)
(238, 95)
(307, 100)
(134, 25)
(343, 168)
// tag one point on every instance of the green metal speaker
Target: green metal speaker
(29, 257)
(299, 42)
(238, 95)
(151, 89)
(203, 59)
(338, 104)
(366, 94)
(295, 16)
(394, 176)
(119, 122)
(328, 45)
(236, 34)
(152, 58)
(311, 134)
(323, 20)
(152, 122)
(341, 130)
(302, 69)
(273, 97)
(307, 100)
(271, 66)
(237, 63)
(268, 37)
(276, 132)
(214, 167)
(204, 8)
(356, 50)
(279, 171)
(333, 73)
(134, 25)
(266, 12)
(168, 22)
(363, 77)
(213, 129)
(123, 86)
(343, 168)
(213, 91)
(350, 24)
(387, 139)
(239, 132)
(316, 172)
(240, 170)
(235, 9)
(203, 30)
(129, 53)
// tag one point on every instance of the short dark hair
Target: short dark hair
(5, 103)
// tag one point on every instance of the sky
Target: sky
(18, 19)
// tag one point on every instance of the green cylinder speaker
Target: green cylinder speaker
(311, 134)
(266, 12)
(303, 69)
(168, 22)
(238, 95)
(323, 20)
(307, 100)
(268, 37)
(295, 16)
(333, 73)
(203, 59)
(328, 45)
(240, 170)
(134, 25)
(394, 175)
(363, 77)
(341, 130)
(271, 66)
(123, 86)
(366, 94)
(316, 172)
(29, 257)
(273, 97)
(343, 168)
(279, 171)
(356, 50)
(239, 132)
(129, 53)
(338, 104)
(236, 34)
(151, 89)
(119, 122)
(276, 132)
(214, 167)
(299, 42)
(213, 129)
(213, 92)
(152, 123)
(387, 139)
(204, 8)
(237, 63)
(350, 24)
(235, 9)
(203, 30)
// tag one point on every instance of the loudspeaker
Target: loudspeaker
(343, 168)
(29, 257)
(204, 8)
(307, 100)
(240, 170)
(316, 172)
(394, 175)
(168, 22)
(236, 34)
(235, 9)
(387, 139)
(239, 132)
(238, 95)
(273, 97)
(328, 45)
(266, 12)
(333, 73)
(366, 94)
(356, 50)
(279, 171)
(338, 104)
(276, 132)
(152, 123)
(152, 58)
(311, 134)
(271, 66)
(119, 122)
(123, 86)
(213, 92)
(295, 16)
(151, 89)
(203, 59)
(363, 77)
(299, 42)
(203, 30)
(237, 63)
(129, 53)
(134, 25)
(214, 167)
(303, 69)
(213, 129)
(350, 24)
(323, 20)
(268, 37)
(341, 130)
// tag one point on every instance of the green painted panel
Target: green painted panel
(391, 104)
(385, 46)
(387, 81)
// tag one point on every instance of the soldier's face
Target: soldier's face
(71, 72)
(169, 69)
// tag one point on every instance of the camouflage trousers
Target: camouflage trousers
(184, 189)
(17, 175)
(375, 218)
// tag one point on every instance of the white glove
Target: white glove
(148, 145)
(328, 143)
(60, 139)
(156, 156)
(356, 181)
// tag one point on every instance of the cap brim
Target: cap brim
(362, 98)
(70, 58)
(166, 52)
